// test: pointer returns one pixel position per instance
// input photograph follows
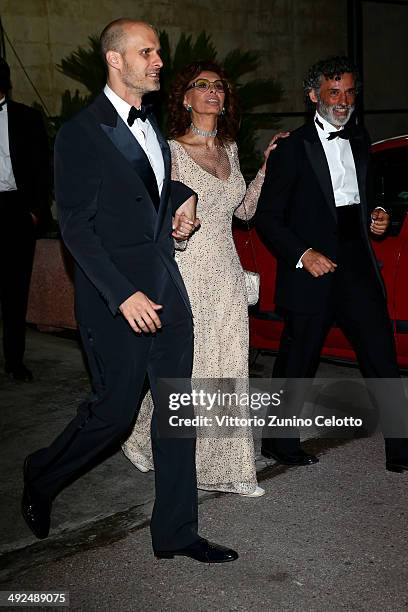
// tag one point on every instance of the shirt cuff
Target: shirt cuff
(180, 245)
(299, 263)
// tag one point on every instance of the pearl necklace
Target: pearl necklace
(205, 133)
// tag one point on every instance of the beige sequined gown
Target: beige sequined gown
(215, 284)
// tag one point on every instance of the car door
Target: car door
(391, 184)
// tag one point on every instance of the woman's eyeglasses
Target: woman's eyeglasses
(204, 85)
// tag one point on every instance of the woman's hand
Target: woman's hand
(183, 227)
(185, 221)
(271, 146)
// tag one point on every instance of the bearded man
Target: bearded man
(316, 213)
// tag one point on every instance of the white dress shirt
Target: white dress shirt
(341, 166)
(7, 180)
(144, 134)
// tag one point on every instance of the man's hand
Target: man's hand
(34, 218)
(317, 264)
(140, 313)
(380, 220)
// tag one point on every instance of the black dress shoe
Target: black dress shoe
(202, 550)
(35, 509)
(20, 373)
(396, 454)
(396, 465)
(297, 458)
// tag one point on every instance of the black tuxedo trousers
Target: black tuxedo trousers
(118, 229)
(119, 360)
(17, 244)
(357, 305)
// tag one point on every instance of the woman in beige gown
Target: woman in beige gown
(207, 161)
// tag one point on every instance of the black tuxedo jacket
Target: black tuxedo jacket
(29, 153)
(112, 218)
(296, 211)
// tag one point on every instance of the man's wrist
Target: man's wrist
(300, 263)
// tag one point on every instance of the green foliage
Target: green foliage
(86, 67)
(70, 106)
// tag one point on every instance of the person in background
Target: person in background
(24, 206)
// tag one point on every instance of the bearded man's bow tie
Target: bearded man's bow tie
(339, 134)
(344, 133)
(139, 113)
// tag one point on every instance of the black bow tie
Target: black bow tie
(2, 104)
(139, 113)
(339, 134)
(344, 133)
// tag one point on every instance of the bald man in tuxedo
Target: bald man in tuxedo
(116, 206)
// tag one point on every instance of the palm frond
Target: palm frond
(85, 66)
(166, 57)
(72, 104)
(237, 63)
(203, 48)
(262, 121)
(165, 47)
(259, 92)
(182, 53)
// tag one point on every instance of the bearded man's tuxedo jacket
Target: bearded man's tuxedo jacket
(118, 229)
(297, 211)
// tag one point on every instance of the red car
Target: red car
(391, 184)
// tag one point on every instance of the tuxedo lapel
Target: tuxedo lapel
(124, 141)
(164, 197)
(165, 149)
(13, 127)
(359, 150)
(317, 158)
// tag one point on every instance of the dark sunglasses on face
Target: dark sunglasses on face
(204, 85)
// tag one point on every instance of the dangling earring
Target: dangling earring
(222, 111)
(188, 108)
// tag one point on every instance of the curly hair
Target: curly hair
(330, 68)
(180, 119)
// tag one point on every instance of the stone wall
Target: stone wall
(385, 67)
(289, 34)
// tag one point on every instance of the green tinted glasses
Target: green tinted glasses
(204, 85)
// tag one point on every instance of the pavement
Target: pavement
(332, 536)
